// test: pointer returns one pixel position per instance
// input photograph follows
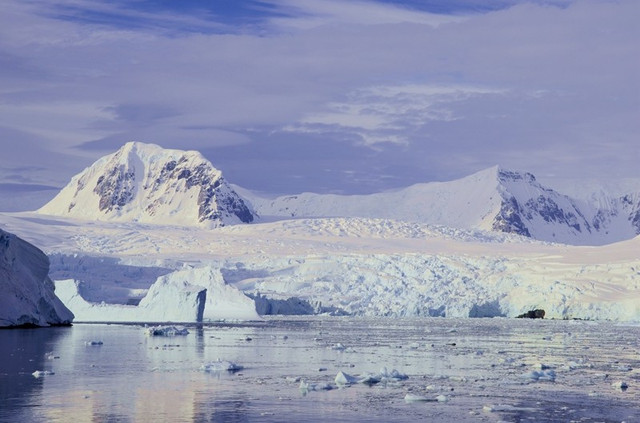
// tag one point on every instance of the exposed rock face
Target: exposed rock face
(27, 295)
(532, 314)
(146, 183)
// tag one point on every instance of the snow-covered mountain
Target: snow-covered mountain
(149, 184)
(146, 183)
(26, 293)
(493, 199)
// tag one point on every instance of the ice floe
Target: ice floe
(221, 366)
(41, 373)
(166, 331)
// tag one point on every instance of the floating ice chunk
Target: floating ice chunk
(306, 387)
(345, 379)
(535, 375)
(541, 366)
(442, 398)
(418, 398)
(369, 379)
(393, 375)
(507, 408)
(166, 331)
(338, 347)
(93, 343)
(292, 379)
(40, 373)
(221, 366)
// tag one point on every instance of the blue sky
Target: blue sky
(322, 95)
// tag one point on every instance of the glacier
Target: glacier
(27, 294)
(368, 267)
(497, 243)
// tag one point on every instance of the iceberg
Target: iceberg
(189, 295)
(27, 296)
(166, 301)
(224, 302)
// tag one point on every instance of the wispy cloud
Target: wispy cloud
(411, 92)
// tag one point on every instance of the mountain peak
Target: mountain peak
(147, 183)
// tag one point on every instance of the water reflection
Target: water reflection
(133, 377)
(22, 351)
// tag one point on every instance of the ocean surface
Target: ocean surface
(473, 370)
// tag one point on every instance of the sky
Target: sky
(328, 96)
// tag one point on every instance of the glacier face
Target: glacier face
(27, 294)
(362, 266)
(146, 183)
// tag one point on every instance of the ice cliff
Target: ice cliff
(27, 294)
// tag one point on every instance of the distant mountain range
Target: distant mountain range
(145, 183)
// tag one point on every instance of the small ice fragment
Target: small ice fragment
(541, 366)
(40, 373)
(548, 375)
(369, 379)
(292, 379)
(442, 398)
(93, 343)
(418, 398)
(338, 347)
(221, 366)
(166, 331)
(345, 379)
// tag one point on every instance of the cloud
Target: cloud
(390, 114)
(411, 93)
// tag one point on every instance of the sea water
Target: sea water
(458, 370)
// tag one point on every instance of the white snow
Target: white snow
(371, 266)
(479, 201)
(377, 257)
(224, 302)
(165, 302)
(187, 295)
(147, 183)
(27, 294)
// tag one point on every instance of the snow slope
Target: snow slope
(494, 199)
(146, 183)
(26, 293)
(371, 266)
